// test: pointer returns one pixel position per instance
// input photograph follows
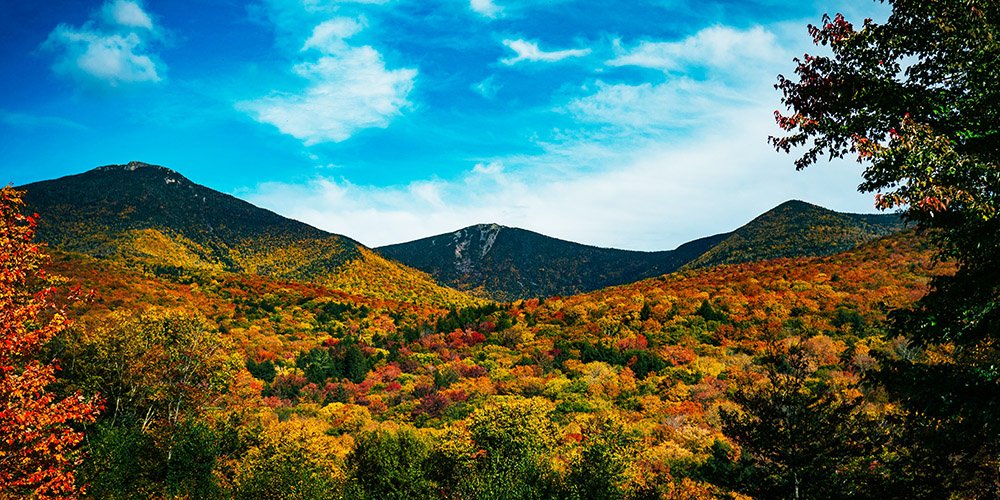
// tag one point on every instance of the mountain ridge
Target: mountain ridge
(540, 265)
(154, 218)
(508, 263)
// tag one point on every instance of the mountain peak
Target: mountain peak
(133, 166)
(136, 211)
(143, 173)
(795, 204)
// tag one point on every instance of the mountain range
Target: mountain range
(510, 263)
(154, 218)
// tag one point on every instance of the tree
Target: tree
(515, 435)
(37, 443)
(390, 465)
(795, 430)
(157, 370)
(917, 99)
(153, 368)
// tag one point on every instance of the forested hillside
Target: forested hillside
(797, 228)
(507, 263)
(316, 391)
(155, 220)
(163, 340)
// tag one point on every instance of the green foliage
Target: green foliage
(156, 370)
(193, 453)
(915, 98)
(154, 219)
(613, 394)
(151, 368)
(346, 360)
(285, 471)
(263, 371)
(510, 263)
(123, 462)
(705, 310)
(390, 465)
(599, 471)
(795, 433)
(515, 436)
(794, 229)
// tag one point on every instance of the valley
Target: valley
(304, 346)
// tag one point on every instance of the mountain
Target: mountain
(795, 229)
(508, 263)
(155, 218)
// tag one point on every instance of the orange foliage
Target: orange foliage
(37, 443)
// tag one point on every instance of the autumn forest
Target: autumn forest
(159, 339)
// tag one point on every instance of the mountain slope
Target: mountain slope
(155, 218)
(795, 229)
(508, 263)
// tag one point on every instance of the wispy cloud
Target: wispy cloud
(487, 87)
(330, 34)
(529, 51)
(127, 13)
(111, 49)
(638, 165)
(719, 47)
(486, 8)
(349, 88)
(682, 102)
(718, 70)
(660, 194)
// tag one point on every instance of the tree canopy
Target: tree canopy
(917, 100)
(37, 444)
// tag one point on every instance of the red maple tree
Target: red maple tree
(37, 443)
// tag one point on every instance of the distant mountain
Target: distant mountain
(508, 263)
(797, 229)
(155, 218)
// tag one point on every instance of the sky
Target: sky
(638, 124)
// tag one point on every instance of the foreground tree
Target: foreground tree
(158, 371)
(37, 444)
(799, 434)
(917, 99)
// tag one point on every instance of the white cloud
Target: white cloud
(127, 13)
(329, 34)
(486, 8)
(649, 166)
(107, 57)
(720, 47)
(653, 198)
(668, 161)
(110, 49)
(682, 102)
(488, 168)
(707, 75)
(349, 89)
(529, 51)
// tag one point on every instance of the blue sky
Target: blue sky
(635, 124)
